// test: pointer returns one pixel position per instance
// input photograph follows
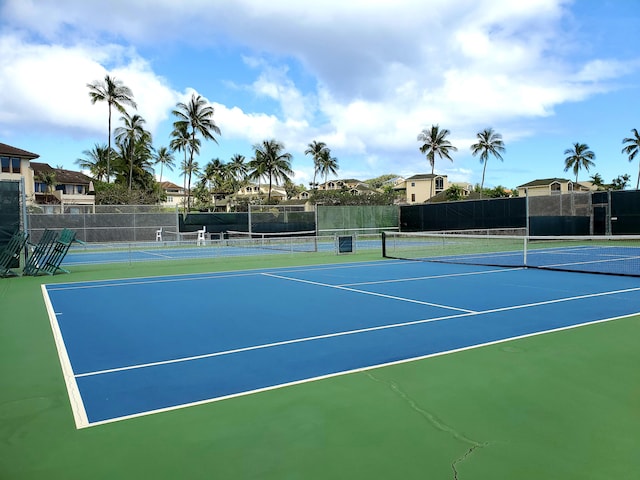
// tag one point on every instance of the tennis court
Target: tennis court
(311, 365)
(126, 352)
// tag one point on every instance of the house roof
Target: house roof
(16, 152)
(544, 182)
(171, 185)
(425, 176)
(62, 175)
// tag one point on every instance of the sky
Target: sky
(365, 77)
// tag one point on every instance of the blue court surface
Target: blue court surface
(138, 346)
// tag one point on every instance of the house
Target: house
(551, 186)
(176, 195)
(351, 185)
(14, 163)
(422, 187)
(60, 187)
(44, 184)
(253, 191)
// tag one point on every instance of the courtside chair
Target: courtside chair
(201, 235)
(49, 253)
(11, 253)
(159, 235)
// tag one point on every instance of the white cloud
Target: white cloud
(381, 71)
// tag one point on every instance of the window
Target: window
(40, 187)
(413, 184)
(9, 165)
(555, 187)
(439, 183)
(413, 197)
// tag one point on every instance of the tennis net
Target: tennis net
(304, 241)
(615, 255)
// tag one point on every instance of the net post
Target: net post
(524, 249)
(384, 244)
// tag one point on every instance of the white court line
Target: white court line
(77, 406)
(351, 332)
(392, 297)
(209, 276)
(429, 277)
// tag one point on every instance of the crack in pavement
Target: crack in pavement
(435, 422)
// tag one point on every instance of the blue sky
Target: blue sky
(365, 77)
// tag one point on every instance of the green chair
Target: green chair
(58, 252)
(11, 253)
(40, 252)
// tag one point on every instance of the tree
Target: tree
(315, 149)
(489, 143)
(271, 162)
(620, 182)
(578, 157)
(95, 160)
(598, 182)
(434, 142)
(116, 94)
(135, 142)
(328, 164)
(164, 157)
(49, 179)
(197, 118)
(632, 148)
(454, 192)
(181, 141)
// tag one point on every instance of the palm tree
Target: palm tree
(489, 142)
(181, 140)
(49, 179)
(327, 164)
(270, 161)
(95, 160)
(578, 157)
(315, 149)
(434, 142)
(196, 117)
(116, 94)
(164, 157)
(632, 148)
(134, 140)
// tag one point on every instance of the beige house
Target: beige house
(43, 183)
(551, 186)
(255, 191)
(421, 187)
(353, 186)
(176, 195)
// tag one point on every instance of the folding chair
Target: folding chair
(11, 253)
(40, 252)
(58, 252)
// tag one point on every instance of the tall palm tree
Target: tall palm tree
(434, 142)
(95, 160)
(238, 171)
(632, 148)
(327, 164)
(578, 157)
(489, 143)
(135, 140)
(117, 95)
(315, 149)
(164, 157)
(270, 161)
(181, 140)
(197, 117)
